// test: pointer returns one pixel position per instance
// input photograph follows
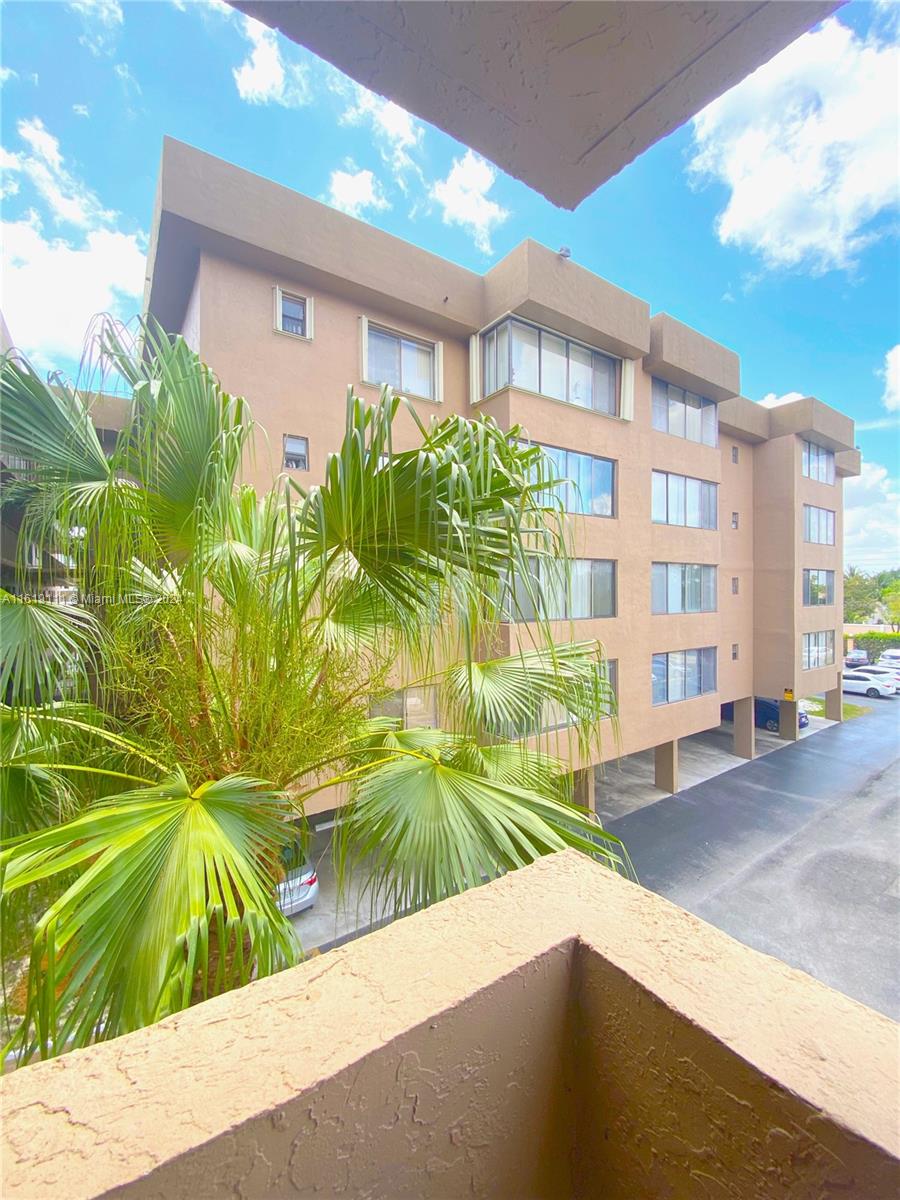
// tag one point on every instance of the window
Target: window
(735, 454)
(735, 520)
(591, 591)
(293, 314)
(818, 525)
(678, 500)
(818, 649)
(415, 707)
(684, 414)
(818, 587)
(818, 463)
(587, 484)
(735, 585)
(735, 651)
(683, 674)
(682, 588)
(296, 453)
(405, 364)
(537, 360)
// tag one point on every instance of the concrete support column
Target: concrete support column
(789, 720)
(744, 728)
(834, 700)
(666, 766)
(584, 789)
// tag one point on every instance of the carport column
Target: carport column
(666, 766)
(834, 700)
(744, 728)
(789, 720)
(584, 788)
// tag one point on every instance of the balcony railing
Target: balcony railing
(559, 1033)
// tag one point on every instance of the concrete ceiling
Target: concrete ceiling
(560, 95)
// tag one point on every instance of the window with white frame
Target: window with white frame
(587, 483)
(589, 590)
(538, 360)
(683, 674)
(293, 314)
(296, 453)
(818, 587)
(818, 525)
(681, 500)
(818, 463)
(818, 649)
(682, 588)
(684, 414)
(406, 364)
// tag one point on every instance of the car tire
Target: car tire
(872, 693)
(772, 726)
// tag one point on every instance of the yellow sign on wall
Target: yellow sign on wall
(788, 693)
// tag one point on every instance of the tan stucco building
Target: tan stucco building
(712, 526)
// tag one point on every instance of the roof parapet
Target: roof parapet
(681, 355)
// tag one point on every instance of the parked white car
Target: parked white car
(891, 674)
(868, 685)
(889, 658)
(299, 889)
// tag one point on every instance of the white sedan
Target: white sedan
(868, 685)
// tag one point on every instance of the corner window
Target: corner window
(296, 453)
(584, 483)
(683, 674)
(537, 360)
(818, 649)
(817, 462)
(679, 500)
(682, 588)
(684, 414)
(735, 520)
(735, 651)
(818, 525)
(293, 314)
(735, 454)
(818, 587)
(735, 585)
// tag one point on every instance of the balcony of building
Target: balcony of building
(558, 1033)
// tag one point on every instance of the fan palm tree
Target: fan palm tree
(162, 736)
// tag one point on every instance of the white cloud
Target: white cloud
(770, 400)
(123, 73)
(354, 191)
(7, 73)
(102, 20)
(807, 147)
(872, 519)
(53, 285)
(464, 200)
(70, 201)
(52, 289)
(397, 132)
(891, 375)
(81, 110)
(264, 78)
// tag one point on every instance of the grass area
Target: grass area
(815, 706)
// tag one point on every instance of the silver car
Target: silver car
(298, 890)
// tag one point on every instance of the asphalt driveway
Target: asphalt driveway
(796, 854)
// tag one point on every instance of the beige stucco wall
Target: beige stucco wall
(558, 1033)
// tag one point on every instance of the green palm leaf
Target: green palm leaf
(172, 902)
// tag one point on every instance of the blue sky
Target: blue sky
(770, 222)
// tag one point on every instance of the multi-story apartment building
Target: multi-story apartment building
(708, 527)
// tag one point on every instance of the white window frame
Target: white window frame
(278, 294)
(437, 360)
(284, 453)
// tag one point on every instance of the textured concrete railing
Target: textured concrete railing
(557, 1033)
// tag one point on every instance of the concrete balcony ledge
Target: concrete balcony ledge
(681, 355)
(558, 1033)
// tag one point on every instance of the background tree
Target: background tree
(861, 594)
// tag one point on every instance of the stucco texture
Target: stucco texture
(557, 1033)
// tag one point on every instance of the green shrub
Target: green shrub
(875, 644)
